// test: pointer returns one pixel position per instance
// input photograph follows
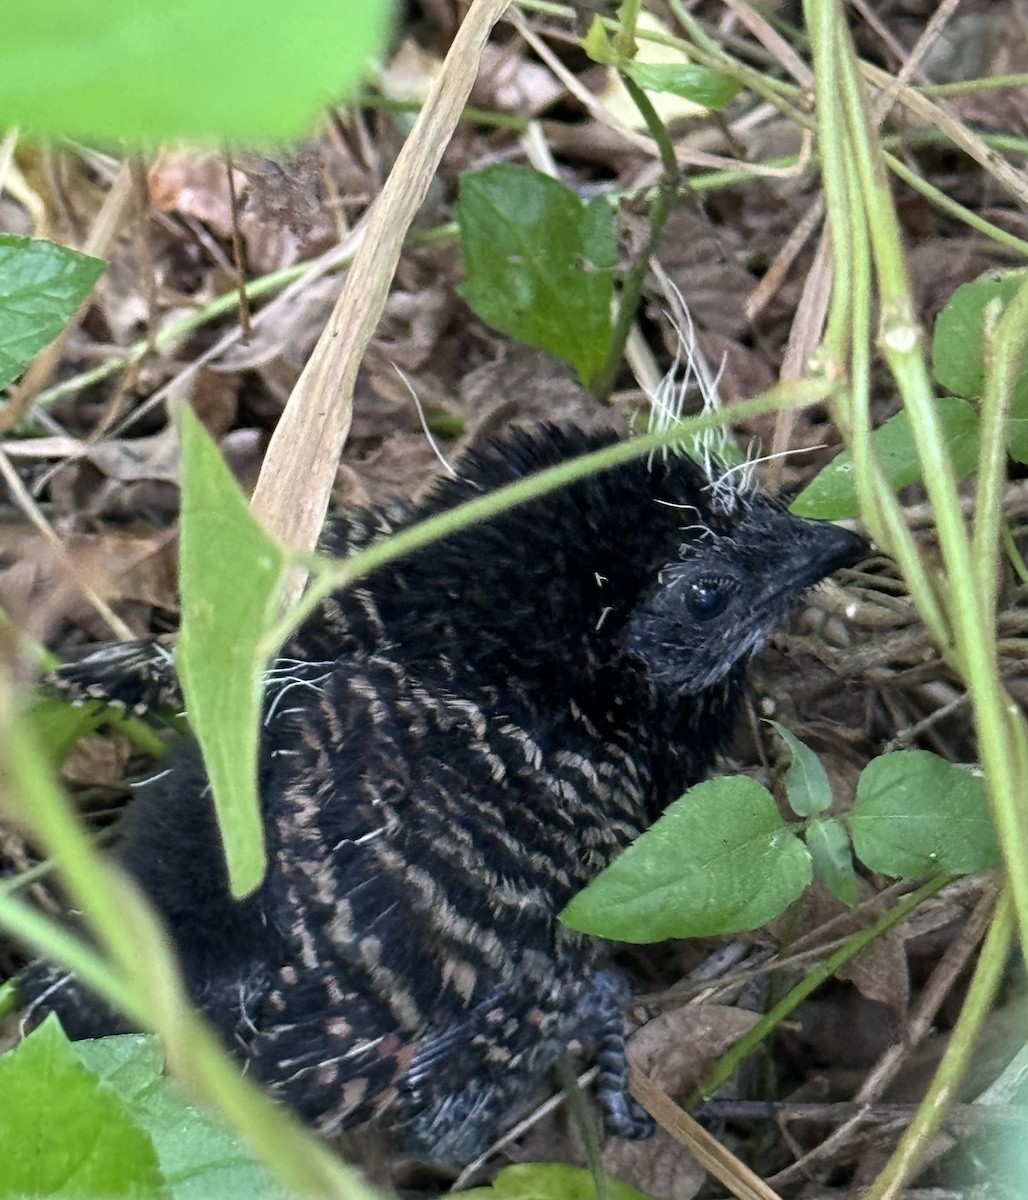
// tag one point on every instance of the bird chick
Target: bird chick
(451, 750)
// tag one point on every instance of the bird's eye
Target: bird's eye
(706, 598)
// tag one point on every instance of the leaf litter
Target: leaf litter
(855, 675)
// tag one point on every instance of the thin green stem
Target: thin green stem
(330, 575)
(944, 1089)
(1005, 350)
(730, 1062)
(972, 648)
(660, 210)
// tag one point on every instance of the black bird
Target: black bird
(450, 751)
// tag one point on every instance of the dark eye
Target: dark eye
(706, 598)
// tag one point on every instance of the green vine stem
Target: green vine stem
(1004, 347)
(730, 1062)
(943, 1090)
(660, 210)
(138, 973)
(971, 642)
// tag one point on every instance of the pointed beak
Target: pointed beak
(829, 547)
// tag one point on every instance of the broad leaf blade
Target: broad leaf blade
(198, 1156)
(113, 69)
(231, 582)
(63, 1132)
(832, 495)
(539, 262)
(917, 814)
(719, 860)
(958, 341)
(41, 286)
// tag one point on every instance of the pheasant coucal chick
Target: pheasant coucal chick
(450, 752)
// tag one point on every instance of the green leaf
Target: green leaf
(539, 262)
(59, 724)
(598, 46)
(719, 860)
(958, 340)
(829, 847)
(832, 495)
(917, 814)
(63, 1132)
(699, 85)
(232, 574)
(549, 1181)
(199, 1158)
(41, 286)
(121, 69)
(806, 783)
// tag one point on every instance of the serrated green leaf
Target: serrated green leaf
(957, 342)
(549, 1181)
(917, 814)
(829, 847)
(63, 1132)
(539, 262)
(806, 783)
(199, 1158)
(700, 85)
(114, 69)
(231, 577)
(719, 860)
(41, 286)
(832, 495)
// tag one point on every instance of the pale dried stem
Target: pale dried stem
(295, 485)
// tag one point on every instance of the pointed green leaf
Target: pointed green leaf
(63, 1132)
(199, 1157)
(832, 495)
(806, 784)
(829, 847)
(719, 860)
(539, 262)
(41, 286)
(114, 69)
(232, 574)
(700, 85)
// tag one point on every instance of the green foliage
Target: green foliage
(722, 859)
(959, 355)
(101, 1119)
(806, 782)
(832, 857)
(549, 1181)
(959, 347)
(120, 69)
(711, 89)
(539, 262)
(68, 1134)
(702, 86)
(832, 495)
(917, 814)
(41, 285)
(231, 575)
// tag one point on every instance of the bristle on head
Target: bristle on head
(731, 483)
